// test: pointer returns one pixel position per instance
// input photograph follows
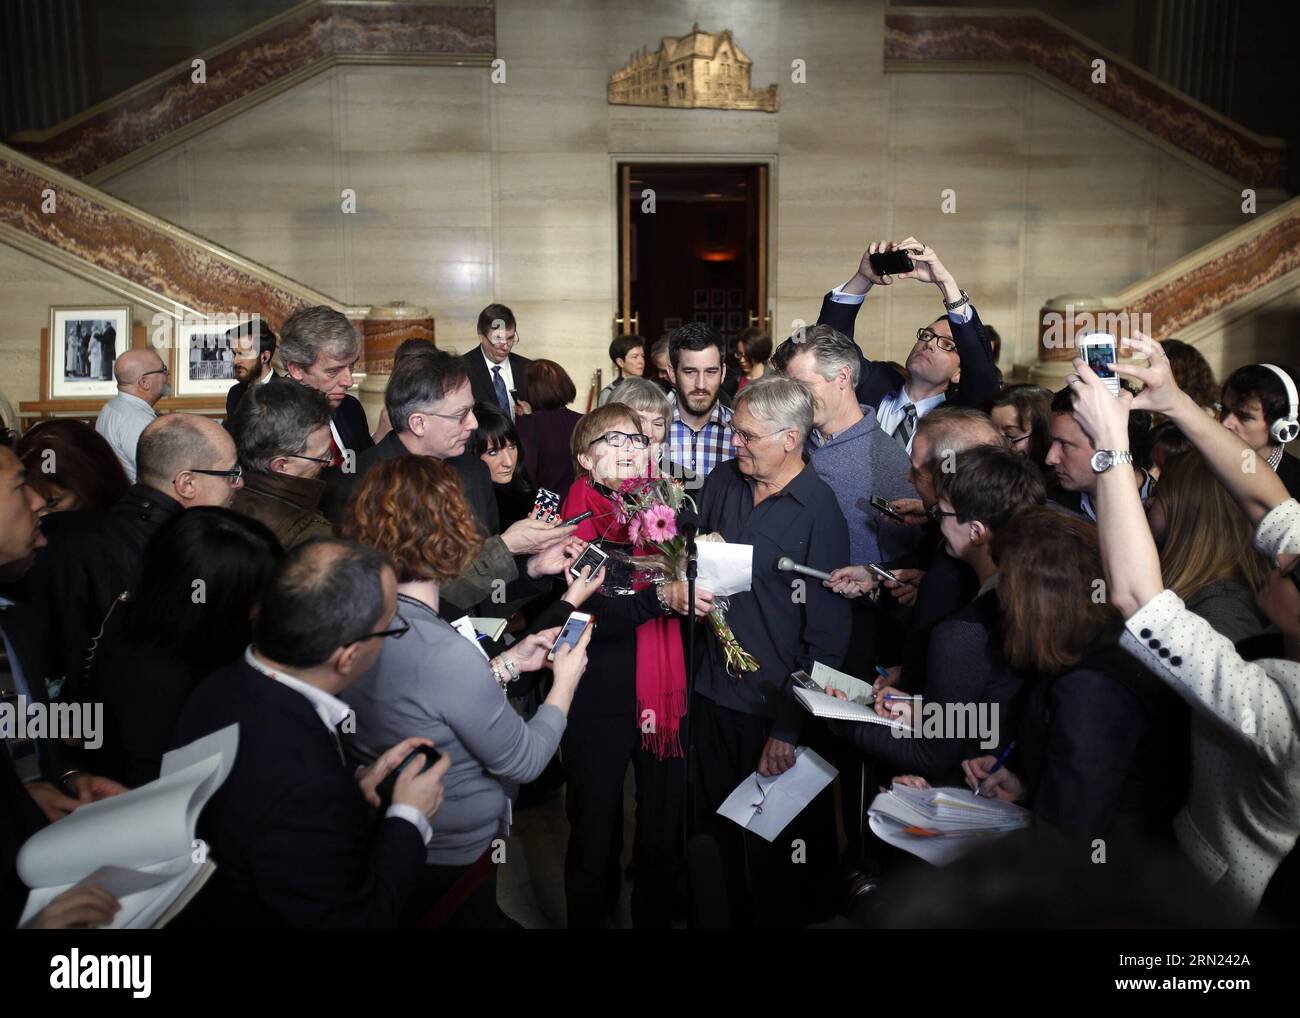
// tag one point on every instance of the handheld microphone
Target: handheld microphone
(789, 565)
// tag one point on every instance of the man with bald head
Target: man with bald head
(141, 382)
(184, 462)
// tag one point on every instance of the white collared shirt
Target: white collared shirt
(121, 421)
(507, 376)
(892, 408)
(332, 711)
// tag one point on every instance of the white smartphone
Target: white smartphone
(571, 633)
(591, 556)
(1099, 349)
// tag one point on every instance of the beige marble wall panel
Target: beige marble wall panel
(424, 110)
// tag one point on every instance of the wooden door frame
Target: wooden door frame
(618, 160)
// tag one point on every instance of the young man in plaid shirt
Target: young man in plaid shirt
(699, 437)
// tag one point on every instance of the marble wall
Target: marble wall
(470, 191)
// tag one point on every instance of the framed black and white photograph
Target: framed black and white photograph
(204, 360)
(84, 344)
(701, 299)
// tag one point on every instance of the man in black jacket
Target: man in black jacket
(320, 347)
(496, 374)
(254, 346)
(951, 353)
(294, 830)
(38, 780)
(184, 461)
(431, 408)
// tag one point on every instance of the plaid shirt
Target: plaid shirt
(698, 452)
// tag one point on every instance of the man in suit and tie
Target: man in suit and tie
(950, 350)
(295, 830)
(254, 346)
(497, 375)
(320, 347)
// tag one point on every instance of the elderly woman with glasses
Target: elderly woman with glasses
(631, 710)
(435, 681)
(1243, 806)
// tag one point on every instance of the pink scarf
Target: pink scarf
(660, 662)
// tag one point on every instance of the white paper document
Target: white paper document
(725, 568)
(767, 805)
(139, 845)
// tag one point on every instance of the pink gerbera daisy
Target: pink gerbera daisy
(658, 524)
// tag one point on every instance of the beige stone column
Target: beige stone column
(384, 330)
(1060, 321)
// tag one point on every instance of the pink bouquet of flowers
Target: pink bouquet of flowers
(649, 506)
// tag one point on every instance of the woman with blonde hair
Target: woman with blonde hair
(432, 681)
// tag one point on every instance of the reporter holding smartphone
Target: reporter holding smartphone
(632, 707)
(433, 682)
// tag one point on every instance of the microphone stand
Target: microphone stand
(688, 790)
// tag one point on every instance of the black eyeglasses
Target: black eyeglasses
(937, 514)
(619, 438)
(232, 475)
(397, 632)
(156, 371)
(325, 461)
(924, 335)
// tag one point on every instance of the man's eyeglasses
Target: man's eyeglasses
(620, 438)
(325, 461)
(1016, 439)
(747, 439)
(937, 514)
(397, 632)
(233, 475)
(164, 370)
(927, 336)
(459, 418)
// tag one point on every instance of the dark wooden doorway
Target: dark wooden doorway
(701, 255)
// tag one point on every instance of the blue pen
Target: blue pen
(882, 672)
(997, 765)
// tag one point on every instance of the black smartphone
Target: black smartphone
(591, 556)
(575, 520)
(880, 572)
(890, 263)
(885, 506)
(385, 788)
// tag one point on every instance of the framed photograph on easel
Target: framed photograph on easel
(82, 345)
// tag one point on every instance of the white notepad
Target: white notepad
(823, 705)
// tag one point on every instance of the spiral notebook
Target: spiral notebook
(823, 705)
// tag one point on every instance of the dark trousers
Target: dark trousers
(596, 754)
(783, 884)
(456, 898)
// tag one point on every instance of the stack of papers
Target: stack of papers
(941, 824)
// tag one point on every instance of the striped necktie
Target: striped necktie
(23, 751)
(906, 427)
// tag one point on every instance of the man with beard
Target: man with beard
(699, 437)
(254, 346)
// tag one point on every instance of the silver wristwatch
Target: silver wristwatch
(1104, 459)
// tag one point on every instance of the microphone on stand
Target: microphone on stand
(688, 522)
(789, 565)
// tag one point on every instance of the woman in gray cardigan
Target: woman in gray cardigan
(436, 683)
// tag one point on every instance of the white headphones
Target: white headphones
(1285, 429)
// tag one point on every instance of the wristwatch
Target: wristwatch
(955, 304)
(1104, 459)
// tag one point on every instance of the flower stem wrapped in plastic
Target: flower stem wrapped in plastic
(649, 506)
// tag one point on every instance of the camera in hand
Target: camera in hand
(385, 788)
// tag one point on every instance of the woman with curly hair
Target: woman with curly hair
(432, 681)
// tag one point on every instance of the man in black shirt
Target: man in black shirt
(769, 498)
